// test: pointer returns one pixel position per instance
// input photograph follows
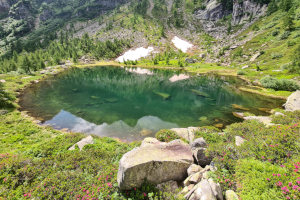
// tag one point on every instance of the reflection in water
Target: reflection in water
(146, 126)
(121, 102)
(140, 71)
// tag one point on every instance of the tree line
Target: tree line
(62, 49)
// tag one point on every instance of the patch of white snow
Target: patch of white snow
(136, 54)
(181, 44)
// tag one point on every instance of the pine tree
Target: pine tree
(272, 7)
(25, 64)
(288, 21)
(286, 5)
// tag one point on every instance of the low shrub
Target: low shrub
(241, 72)
(166, 135)
(279, 84)
(275, 33)
(285, 35)
(276, 55)
(263, 180)
(266, 166)
(287, 118)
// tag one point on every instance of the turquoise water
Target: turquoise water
(132, 103)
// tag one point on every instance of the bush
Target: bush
(285, 35)
(262, 180)
(275, 33)
(241, 72)
(276, 55)
(279, 84)
(166, 135)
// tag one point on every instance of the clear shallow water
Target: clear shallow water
(133, 103)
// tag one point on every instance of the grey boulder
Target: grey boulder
(155, 162)
(293, 102)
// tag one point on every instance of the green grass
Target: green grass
(276, 52)
(35, 161)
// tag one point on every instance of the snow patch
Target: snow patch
(136, 54)
(181, 44)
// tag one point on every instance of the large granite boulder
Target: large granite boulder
(155, 162)
(293, 102)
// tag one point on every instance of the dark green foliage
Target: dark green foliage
(272, 7)
(295, 67)
(141, 7)
(286, 5)
(288, 21)
(279, 84)
(63, 49)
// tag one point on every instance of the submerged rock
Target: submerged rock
(199, 93)
(155, 162)
(293, 102)
(239, 115)
(239, 107)
(165, 96)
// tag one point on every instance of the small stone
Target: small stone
(279, 114)
(231, 195)
(83, 142)
(194, 169)
(195, 178)
(239, 141)
(199, 142)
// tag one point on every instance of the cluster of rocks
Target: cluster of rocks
(171, 165)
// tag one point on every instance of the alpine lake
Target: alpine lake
(134, 103)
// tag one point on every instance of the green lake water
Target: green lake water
(133, 103)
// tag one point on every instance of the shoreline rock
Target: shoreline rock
(155, 162)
